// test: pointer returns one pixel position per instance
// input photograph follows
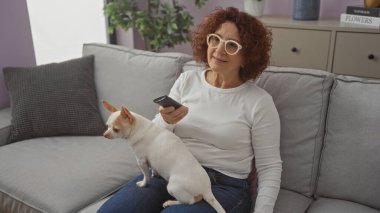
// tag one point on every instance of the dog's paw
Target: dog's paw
(166, 204)
(141, 183)
(170, 203)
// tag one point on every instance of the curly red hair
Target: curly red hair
(256, 40)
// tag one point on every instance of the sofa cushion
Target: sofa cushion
(133, 78)
(53, 100)
(62, 174)
(94, 206)
(323, 205)
(193, 65)
(351, 154)
(291, 202)
(301, 98)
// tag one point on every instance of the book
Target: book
(363, 11)
(363, 20)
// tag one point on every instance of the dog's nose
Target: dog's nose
(106, 135)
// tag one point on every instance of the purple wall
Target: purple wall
(16, 44)
(328, 8)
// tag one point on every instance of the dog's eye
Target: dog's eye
(115, 130)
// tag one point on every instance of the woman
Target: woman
(225, 120)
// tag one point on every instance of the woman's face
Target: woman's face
(218, 59)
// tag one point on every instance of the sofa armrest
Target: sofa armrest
(5, 125)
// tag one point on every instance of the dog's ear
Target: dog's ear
(108, 106)
(125, 113)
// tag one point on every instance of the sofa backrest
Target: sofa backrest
(301, 97)
(192, 65)
(350, 161)
(132, 77)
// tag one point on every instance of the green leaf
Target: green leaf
(200, 3)
(161, 24)
(174, 25)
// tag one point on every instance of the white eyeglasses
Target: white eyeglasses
(230, 46)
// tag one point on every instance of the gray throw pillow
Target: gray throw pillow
(53, 100)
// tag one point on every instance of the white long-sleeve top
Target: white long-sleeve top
(225, 128)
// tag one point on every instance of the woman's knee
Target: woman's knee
(131, 198)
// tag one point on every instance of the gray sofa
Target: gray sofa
(330, 139)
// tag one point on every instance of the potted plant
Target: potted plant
(254, 7)
(160, 24)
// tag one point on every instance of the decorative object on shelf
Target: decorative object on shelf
(363, 15)
(359, 19)
(254, 7)
(363, 11)
(161, 24)
(306, 9)
(371, 3)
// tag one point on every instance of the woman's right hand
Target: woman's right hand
(172, 115)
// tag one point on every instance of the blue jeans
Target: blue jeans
(232, 193)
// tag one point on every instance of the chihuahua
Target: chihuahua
(161, 150)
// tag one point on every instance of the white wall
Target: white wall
(60, 27)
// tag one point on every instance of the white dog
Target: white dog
(161, 150)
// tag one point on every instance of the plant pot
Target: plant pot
(306, 9)
(254, 7)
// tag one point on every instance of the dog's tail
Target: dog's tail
(210, 199)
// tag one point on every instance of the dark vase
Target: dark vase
(306, 9)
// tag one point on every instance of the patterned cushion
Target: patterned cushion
(53, 100)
